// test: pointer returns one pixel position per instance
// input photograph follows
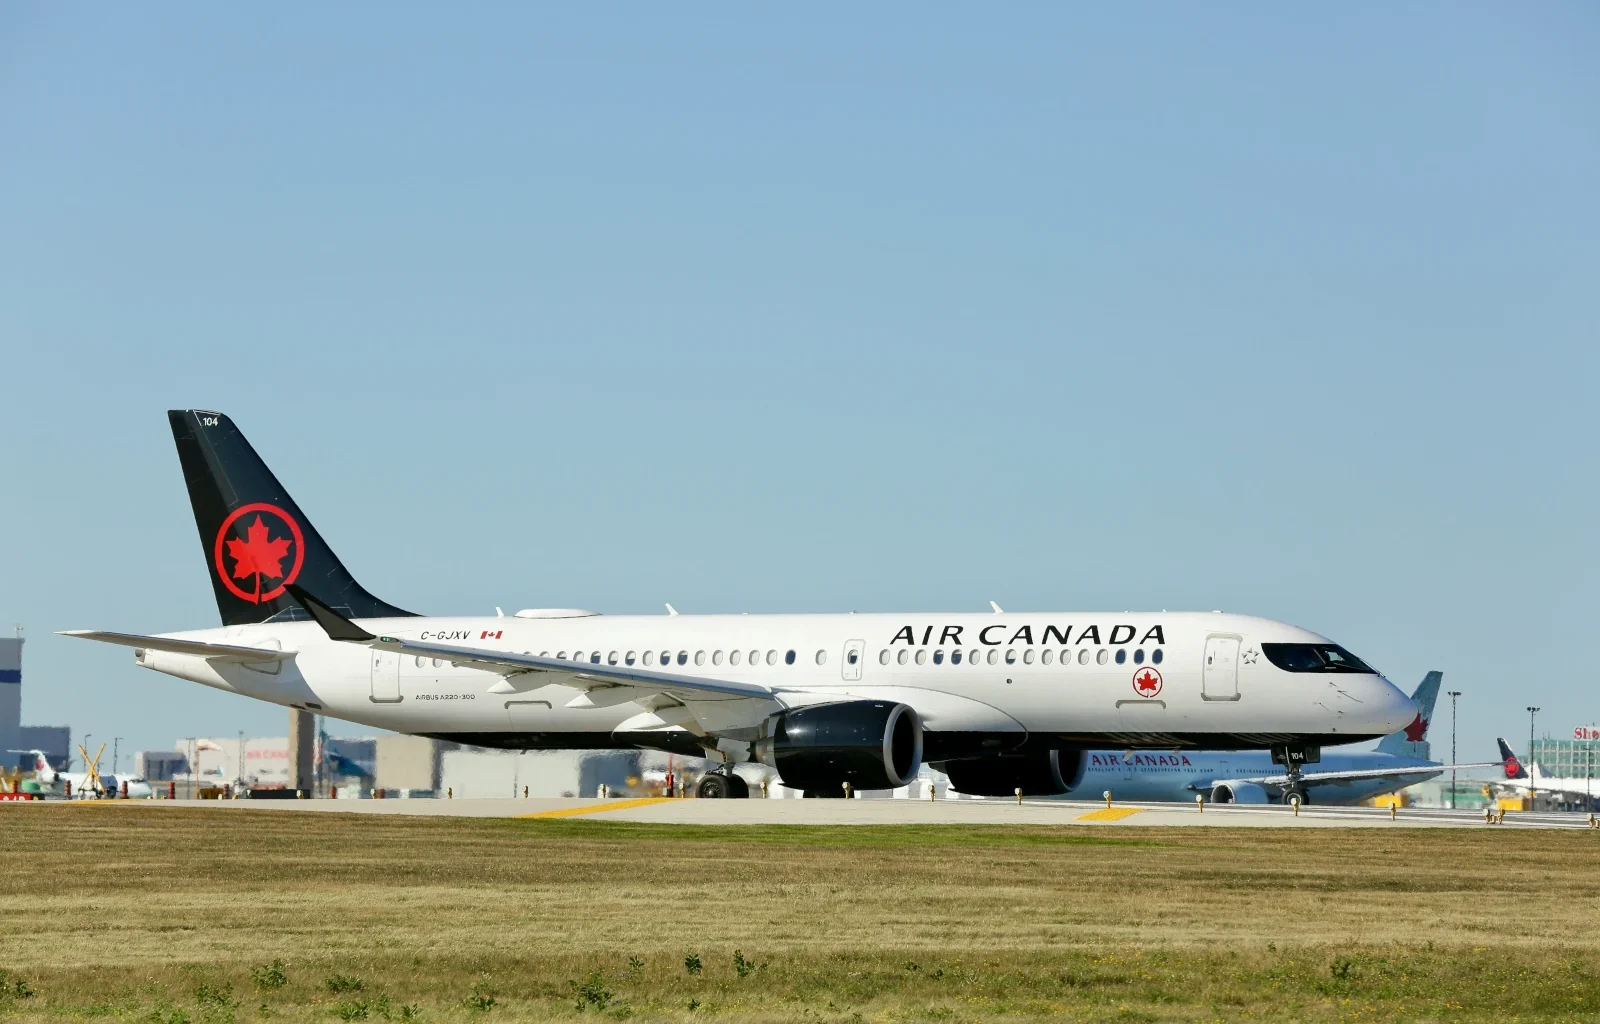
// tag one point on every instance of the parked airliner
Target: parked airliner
(1000, 701)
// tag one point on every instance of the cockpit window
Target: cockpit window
(1314, 658)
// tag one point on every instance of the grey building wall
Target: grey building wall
(10, 700)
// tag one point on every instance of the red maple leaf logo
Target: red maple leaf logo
(258, 555)
(1415, 730)
(1147, 682)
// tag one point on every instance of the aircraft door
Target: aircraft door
(385, 677)
(853, 651)
(1220, 676)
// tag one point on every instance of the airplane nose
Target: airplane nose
(1398, 709)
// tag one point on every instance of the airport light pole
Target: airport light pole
(1453, 695)
(1531, 791)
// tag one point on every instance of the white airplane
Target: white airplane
(89, 783)
(1524, 780)
(1000, 701)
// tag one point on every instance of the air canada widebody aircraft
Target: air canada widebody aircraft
(1002, 702)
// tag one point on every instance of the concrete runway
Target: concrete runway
(889, 812)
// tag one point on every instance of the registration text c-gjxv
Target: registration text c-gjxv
(1000, 701)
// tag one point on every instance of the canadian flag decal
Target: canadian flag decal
(491, 636)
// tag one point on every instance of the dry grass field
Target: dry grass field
(173, 916)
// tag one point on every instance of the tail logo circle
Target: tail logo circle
(252, 546)
(1147, 682)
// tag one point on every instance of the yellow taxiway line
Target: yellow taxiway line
(614, 805)
(1110, 814)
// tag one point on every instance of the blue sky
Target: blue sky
(1273, 310)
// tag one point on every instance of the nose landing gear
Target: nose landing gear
(1293, 759)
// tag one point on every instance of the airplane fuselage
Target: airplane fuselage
(979, 682)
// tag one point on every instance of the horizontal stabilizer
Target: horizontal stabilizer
(198, 648)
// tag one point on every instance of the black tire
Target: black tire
(714, 787)
(739, 789)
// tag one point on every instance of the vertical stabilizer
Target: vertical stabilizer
(255, 539)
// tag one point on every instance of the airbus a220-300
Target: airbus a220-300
(1001, 702)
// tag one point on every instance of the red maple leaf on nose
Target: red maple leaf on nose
(1415, 730)
(1146, 681)
(258, 554)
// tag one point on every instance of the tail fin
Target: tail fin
(1412, 740)
(256, 540)
(1514, 769)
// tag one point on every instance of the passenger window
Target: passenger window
(627, 659)
(1122, 655)
(883, 657)
(1101, 658)
(1027, 656)
(699, 657)
(755, 658)
(562, 655)
(903, 656)
(594, 659)
(788, 657)
(734, 657)
(994, 656)
(649, 657)
(611, 659)
(772, 657)
(1046, 655)
(1155, 655)
(822, 657)
(577, 655)
(544, 654)
(922, 656)
(1011, 655)
(1138, 656)
(716, 657)
(1083, 656)
(683, 657)
(853, 657)
(666, 657)
(938, 657)
(955, 656)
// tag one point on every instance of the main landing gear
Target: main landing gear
(722, 785)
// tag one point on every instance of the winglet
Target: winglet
(997, 609)
(671, 610)
(335, 625)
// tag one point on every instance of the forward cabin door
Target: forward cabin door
(385, 677)
(853, 650)
(1220, 677)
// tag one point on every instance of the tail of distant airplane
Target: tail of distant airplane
(1412, 740)
(255, 538)
(39, 764)
(1514, 769)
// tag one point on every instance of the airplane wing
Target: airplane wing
(217, 652)
(1310, 779)
(603, 685)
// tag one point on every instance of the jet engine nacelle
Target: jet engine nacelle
(1037, 773)
(1238, 793)
(871, 744)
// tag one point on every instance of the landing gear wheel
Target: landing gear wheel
(714, 787)
(1294, 799)
(717, 786)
